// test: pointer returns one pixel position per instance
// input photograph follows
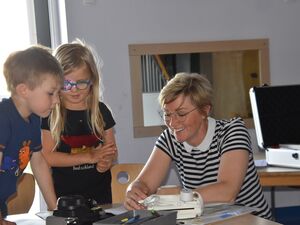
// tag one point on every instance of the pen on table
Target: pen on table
(226, 215)
(124, 220)
(137, 218)
(130, 220)
(147, 218)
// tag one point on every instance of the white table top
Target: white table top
(26, 219)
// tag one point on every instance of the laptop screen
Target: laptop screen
(276, 110)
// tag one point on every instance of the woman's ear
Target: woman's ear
(206, 109)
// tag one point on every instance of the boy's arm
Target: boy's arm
(1, 155)
(41, 171)
(5, 222)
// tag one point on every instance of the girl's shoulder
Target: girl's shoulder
(104, 107)
(102, 104)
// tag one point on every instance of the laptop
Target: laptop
(276, 115)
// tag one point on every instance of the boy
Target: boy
(34, 78)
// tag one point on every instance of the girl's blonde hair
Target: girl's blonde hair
(193, 85)
(73, 56)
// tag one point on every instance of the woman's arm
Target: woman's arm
(61, 159)
(42, 174)
(5, 222)
(149, 179)
(232, 171)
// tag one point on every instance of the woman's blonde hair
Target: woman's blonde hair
(193, 85)
(73, 56)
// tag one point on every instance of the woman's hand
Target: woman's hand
(136, 191)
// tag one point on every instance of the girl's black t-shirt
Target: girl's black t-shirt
(78, 137)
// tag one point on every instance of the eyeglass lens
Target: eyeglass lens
(81, 85)
(179, 116)
(175, 115)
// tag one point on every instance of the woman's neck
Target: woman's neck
(200, 136)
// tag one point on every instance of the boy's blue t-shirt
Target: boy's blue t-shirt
(18, 139)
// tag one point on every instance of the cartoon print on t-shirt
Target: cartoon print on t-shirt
(9, 164)
(17, 166)
(24, 155)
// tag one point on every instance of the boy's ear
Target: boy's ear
(22, 90)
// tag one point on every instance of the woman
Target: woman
(213, 157)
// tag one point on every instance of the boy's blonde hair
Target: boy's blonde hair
(30, 67)
(193, 85)
(73, 56)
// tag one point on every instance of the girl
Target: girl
(78, 137)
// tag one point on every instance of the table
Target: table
(249, 219)
(278, 176)
(273, 176)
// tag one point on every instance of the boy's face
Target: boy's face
(42, 99)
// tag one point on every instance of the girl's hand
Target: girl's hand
(102, 152)
(105, 164)
(136, 191)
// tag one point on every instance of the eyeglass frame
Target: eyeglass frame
(183, 116)
(75, 83)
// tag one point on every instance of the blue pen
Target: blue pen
(226, 215)
(132, 219)
(147, 218)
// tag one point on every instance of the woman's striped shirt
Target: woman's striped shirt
(199, 166)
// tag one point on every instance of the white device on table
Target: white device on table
(188, 204)
(276, 111)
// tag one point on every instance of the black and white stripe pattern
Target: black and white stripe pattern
(200, 167)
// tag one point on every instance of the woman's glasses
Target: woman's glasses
(179, 116)
(80, 85)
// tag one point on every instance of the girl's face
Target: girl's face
(77, 88)
(186, 122)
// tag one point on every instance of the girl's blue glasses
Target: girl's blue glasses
(80, 85)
